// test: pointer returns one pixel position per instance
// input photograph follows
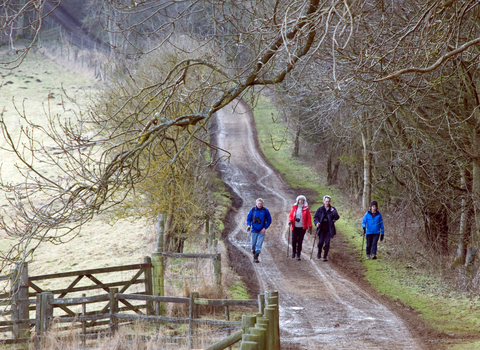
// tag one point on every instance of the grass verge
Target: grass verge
(445, 310)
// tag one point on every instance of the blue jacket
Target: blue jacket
(374, 224)
(264, 217)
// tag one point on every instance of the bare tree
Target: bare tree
(111, 148)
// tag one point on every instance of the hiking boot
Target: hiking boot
(324, 258)
(298, 257)
(368, 256)
(255, 258)
(374, 257)
(319, 255)
(293, 255)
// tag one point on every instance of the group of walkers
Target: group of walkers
(300, 220)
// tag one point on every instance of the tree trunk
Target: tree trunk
(465, 227)
(296, 144)
(367, 163)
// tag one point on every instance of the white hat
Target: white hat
(304, 200)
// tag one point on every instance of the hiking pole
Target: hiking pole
(363, 242)
(288, 240)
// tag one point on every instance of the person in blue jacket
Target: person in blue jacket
(258, 220)
(373, 229)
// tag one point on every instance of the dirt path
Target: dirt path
(319, 308)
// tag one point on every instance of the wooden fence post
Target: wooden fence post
(262, 333)
(84, 323)
(248, 321)
(19, 290)
(158, 263)
(217, 269)
(261, 303)
(270, 314)
(113, 310)
(249, 345)
(44, 315)
(191, 315)
(149, 285)
(272, 301)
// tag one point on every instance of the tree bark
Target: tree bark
(367, 163)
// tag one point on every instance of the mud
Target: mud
(323, 305)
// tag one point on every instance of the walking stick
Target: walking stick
(288, 240)
(363, 242)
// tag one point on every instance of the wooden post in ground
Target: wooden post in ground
(249, 337)
(191, 316)
(84, 324)
(261, 303)
(272, 300)
(261, 333)
(248, 321)
(270, 314)
(19, 290)
(217, 269)
(158, 263)
(207, 233)
(113, 310)
(149, 285)
(249, 345)
(44, 315)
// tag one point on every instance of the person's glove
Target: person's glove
(364, 230)
(290, 224)
(248, 228)
(310, 230)
(381, 238)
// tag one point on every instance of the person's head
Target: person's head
(373, 206)
(259, 202)
(301, 200)
(326, 200)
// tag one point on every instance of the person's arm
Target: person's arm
(335, 215)
(309, 218)
(291, 216)
(269, 218)
(381, 225)
(316, 218)
(249, 218)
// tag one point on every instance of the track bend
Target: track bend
(319, 308)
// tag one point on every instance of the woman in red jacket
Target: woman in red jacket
(298, 221)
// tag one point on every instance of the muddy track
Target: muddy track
(319, 307)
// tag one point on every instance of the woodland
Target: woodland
(385, 92)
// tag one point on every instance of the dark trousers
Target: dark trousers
(372, 240)
(323, 241)
(297, 240)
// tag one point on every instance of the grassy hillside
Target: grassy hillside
(446, 310)
(36, 89)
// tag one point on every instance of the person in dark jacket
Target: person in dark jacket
(258, 220)
(372, 224)
(324, 220)
(299, 220)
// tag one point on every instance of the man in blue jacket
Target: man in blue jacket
(373, 229)
(258, 220)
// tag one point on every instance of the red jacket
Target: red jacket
(306, 217)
